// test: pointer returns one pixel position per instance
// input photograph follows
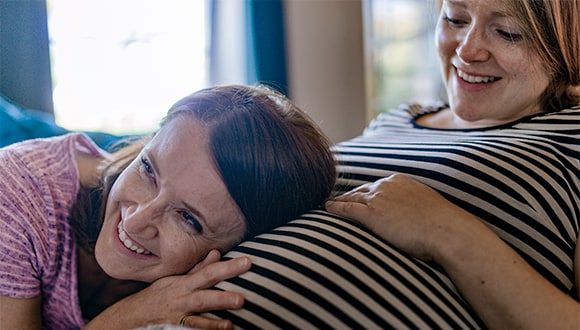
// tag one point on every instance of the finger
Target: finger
(352, 210)
(356, 195)
(199, 322)
(218, 271)
(360, 189)
(213, 256)
(353, 197)
(208, 300)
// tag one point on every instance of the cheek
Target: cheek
(115, 195)
(444, 41)
(116, 189)
(184, 253)
(540, 76)
(128, 187)
(526, 71)
(445, 44)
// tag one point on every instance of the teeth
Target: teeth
(128, 243)
(474, 79)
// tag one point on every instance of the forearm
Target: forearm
(16, 313)
(500, 285)
(119, 317)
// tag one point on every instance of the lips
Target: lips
(476, 79)
(128, 243)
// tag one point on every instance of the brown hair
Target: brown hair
(552, 28)
(275, 162)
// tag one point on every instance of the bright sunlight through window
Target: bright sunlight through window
(118, 66)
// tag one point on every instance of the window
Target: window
(118, 66)
(404, 60)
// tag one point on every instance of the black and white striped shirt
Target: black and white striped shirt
(520, 178)
(321, 271)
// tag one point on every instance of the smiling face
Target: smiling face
(491, 75)
(168, 209)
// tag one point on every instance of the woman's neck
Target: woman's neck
(97, 290)
(447, 119)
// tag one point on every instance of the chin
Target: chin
(103, 262)
(466, 111)
(469, 117)
(107, 265)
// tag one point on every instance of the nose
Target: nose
(472, 46)
(141, 220)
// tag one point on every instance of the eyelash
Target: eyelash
(454, 21)
(513, 37)
(146, 165)
(190, 220)
(147, 168)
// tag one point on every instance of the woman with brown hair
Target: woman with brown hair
(150, 221)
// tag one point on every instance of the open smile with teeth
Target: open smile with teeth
(128, 243)
(475, 79)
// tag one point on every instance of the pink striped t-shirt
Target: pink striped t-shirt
(39, 180)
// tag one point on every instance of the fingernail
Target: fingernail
(225, 325)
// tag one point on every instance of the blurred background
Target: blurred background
(116, 66)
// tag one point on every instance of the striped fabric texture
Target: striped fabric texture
(321, 271)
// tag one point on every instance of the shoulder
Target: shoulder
(38, 174)
(566, 119)
(560, 129)
(40, 178)
(51, 158)
(57, 144)
(39, 185)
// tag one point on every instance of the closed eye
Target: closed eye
(510, 36)
(454, 21)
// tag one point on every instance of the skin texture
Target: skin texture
(20, 313)
(476, 38)
(169, 201)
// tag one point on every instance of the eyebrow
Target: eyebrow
(454, 2)
(188, 206)
(460, 3)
